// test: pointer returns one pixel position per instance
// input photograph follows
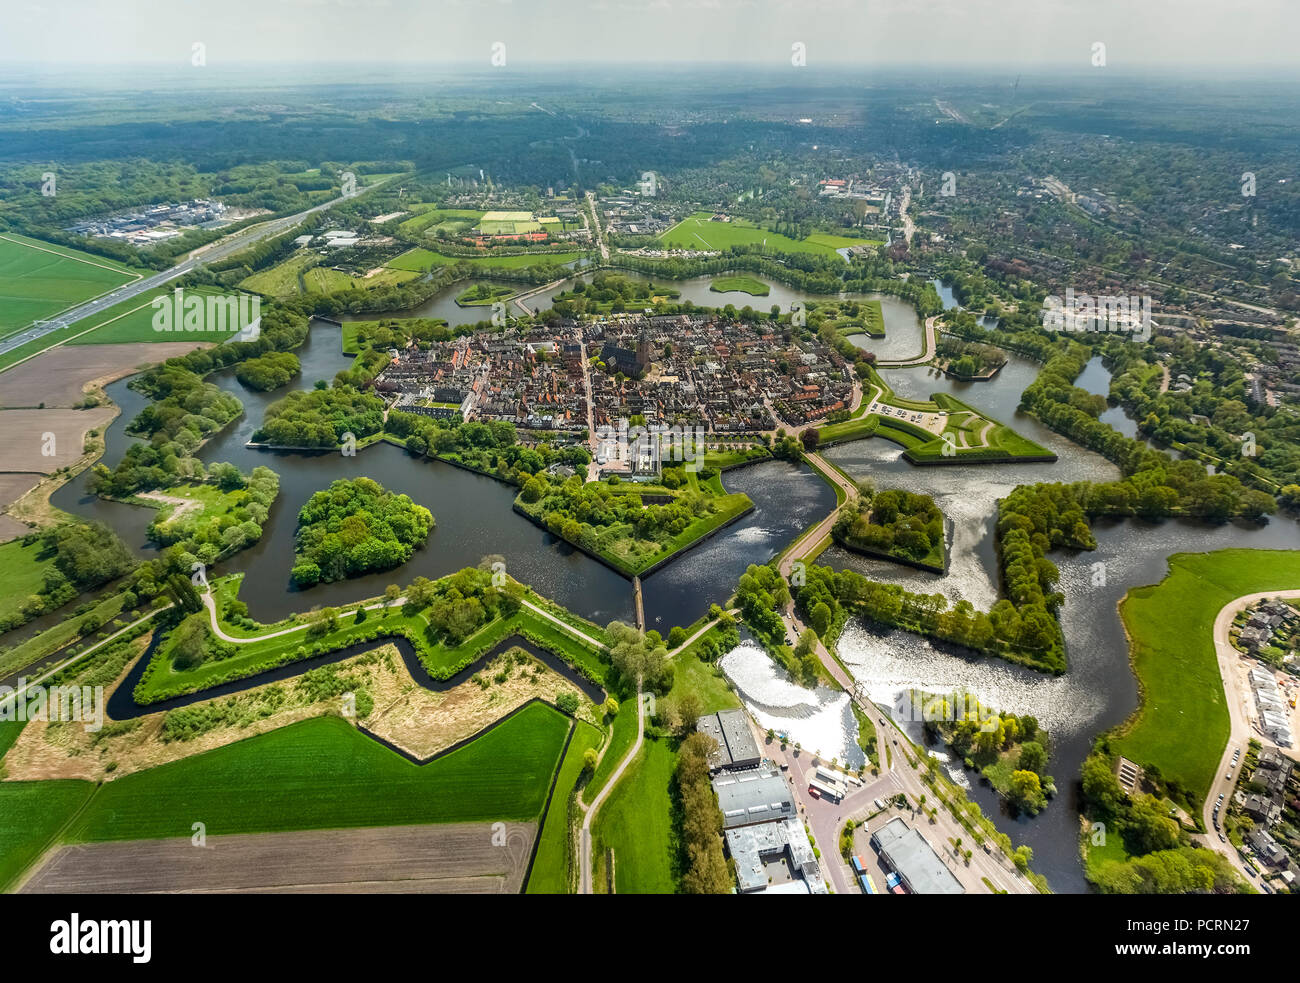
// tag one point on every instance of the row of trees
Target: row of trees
(704, 868)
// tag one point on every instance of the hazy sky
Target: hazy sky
(1198, 35)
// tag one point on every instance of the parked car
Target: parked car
(1222, 838)
(814, 793)
(1229, 774)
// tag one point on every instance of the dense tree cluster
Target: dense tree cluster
(1162, 858)
(183, 401)
(191, 643)
(638, 657)
(321, 417)
(609, 292)
(356, 527)
(269, 371)
(209, 536)
(489, 446)
(458, 605)
(704, 868)
(900, 523)
(983, 736)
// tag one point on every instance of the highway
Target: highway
(220, 249)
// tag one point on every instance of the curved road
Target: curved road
(1238, 700)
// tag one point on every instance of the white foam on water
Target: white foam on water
(819, 720)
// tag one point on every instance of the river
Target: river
(1099, 690)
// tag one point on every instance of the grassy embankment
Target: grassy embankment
(1181, 725)
(257, 651)
(751, 285)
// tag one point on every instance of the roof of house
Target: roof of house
(909, 853)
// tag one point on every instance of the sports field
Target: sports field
(37, 280)
(699, 231)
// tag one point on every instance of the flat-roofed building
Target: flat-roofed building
(747, 798)
(910, 855)
(776, 858)
(737, 748)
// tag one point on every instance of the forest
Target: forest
(355, 527)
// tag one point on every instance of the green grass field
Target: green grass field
(620, 742)
(38, 279)
(698, 231)
(305, 272)
(132, 321)
(554, 858)
(841, 242)
(636, 823)
(419, 260)
(751, 285)
(31, 815)
(22, 573)
(1182, 724)
(324, 774)
(431, 220)
(704, 679)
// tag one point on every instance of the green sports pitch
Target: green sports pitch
(38, 280)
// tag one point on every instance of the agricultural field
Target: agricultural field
(37, 280)
(324, 774)
(1171, 631)
(31, 815)
(698, 231)
(454, 858)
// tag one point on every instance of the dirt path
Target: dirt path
(585, 835)
(183, 505)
